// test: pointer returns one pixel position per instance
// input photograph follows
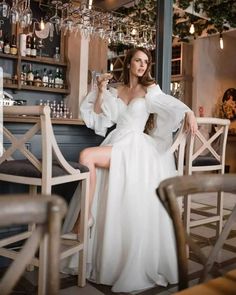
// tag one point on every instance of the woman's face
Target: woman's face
(138, 64)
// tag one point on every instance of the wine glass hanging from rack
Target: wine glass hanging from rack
(85, 20)
(91, 22)
(18, 11)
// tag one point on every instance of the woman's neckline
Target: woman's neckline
(127, 104)
(152, 87)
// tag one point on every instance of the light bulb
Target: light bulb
(90, 4)
(221, 42)
(133, 32)
(111, 67)
(42, 25)
(192, 29)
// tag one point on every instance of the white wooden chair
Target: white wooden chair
(47, 213)
(44, 173)
(178, 148)
(206, 152)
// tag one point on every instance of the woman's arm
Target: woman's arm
(102, 82)
(191, 123)
(170, 111)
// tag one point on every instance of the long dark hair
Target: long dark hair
(145, 80)
(229, 92)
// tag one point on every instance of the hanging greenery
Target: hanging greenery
(217, 16)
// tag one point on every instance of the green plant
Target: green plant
(217, 16)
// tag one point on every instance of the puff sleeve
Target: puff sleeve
(108, 117)
(170, 113)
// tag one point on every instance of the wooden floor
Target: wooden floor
(204, 234)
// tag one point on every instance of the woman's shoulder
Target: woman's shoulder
(154, 87)
(120, 90)
(113, 90)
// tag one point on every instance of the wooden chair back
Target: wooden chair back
(46, 171)
(39, 172)
(168, 192)
(206, 150)
(47, 213)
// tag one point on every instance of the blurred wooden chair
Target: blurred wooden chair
(51, 169)
(168, 192)
(47, 213)
(206, 152)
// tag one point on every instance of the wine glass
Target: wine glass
(28, 14)
(55, 19)
(4, 9)
(14, 12)
(67, 22)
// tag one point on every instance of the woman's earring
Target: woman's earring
(128, 66)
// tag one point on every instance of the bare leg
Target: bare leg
(94, 157)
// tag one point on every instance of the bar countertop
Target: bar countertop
(31, 119)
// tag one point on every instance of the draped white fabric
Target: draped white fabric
(132, 246)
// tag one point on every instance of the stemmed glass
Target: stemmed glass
(14, 12)
(4, 9)
(55, 19)
(67, 22)
(28, 14)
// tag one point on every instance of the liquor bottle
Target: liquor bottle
(57, 79)
(61, 79)
(30, 76)
(23, 75)
(50, 79)
(1, 41)
(13, 49)
(33, 48)
(37, 79)
(57, 54)
(28, 46)
(6, 47)
(45, 78)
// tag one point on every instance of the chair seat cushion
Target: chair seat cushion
(205, 161)
(27, 169)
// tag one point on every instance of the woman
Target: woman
(228, 106)
(132, 246)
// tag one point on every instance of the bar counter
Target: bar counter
(30, 119)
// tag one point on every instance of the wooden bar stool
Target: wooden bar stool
(50, 170)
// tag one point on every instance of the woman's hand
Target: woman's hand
(102, 81)
(191, 123)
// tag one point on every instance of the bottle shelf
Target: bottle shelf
(44, 89)
(35, 88)
(10, 83)
(9, 56)
(43, 60)
(10, 86)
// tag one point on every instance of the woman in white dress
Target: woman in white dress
(132, 245)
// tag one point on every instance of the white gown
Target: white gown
(132, 246)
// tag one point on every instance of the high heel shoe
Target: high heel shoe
(75, 236)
